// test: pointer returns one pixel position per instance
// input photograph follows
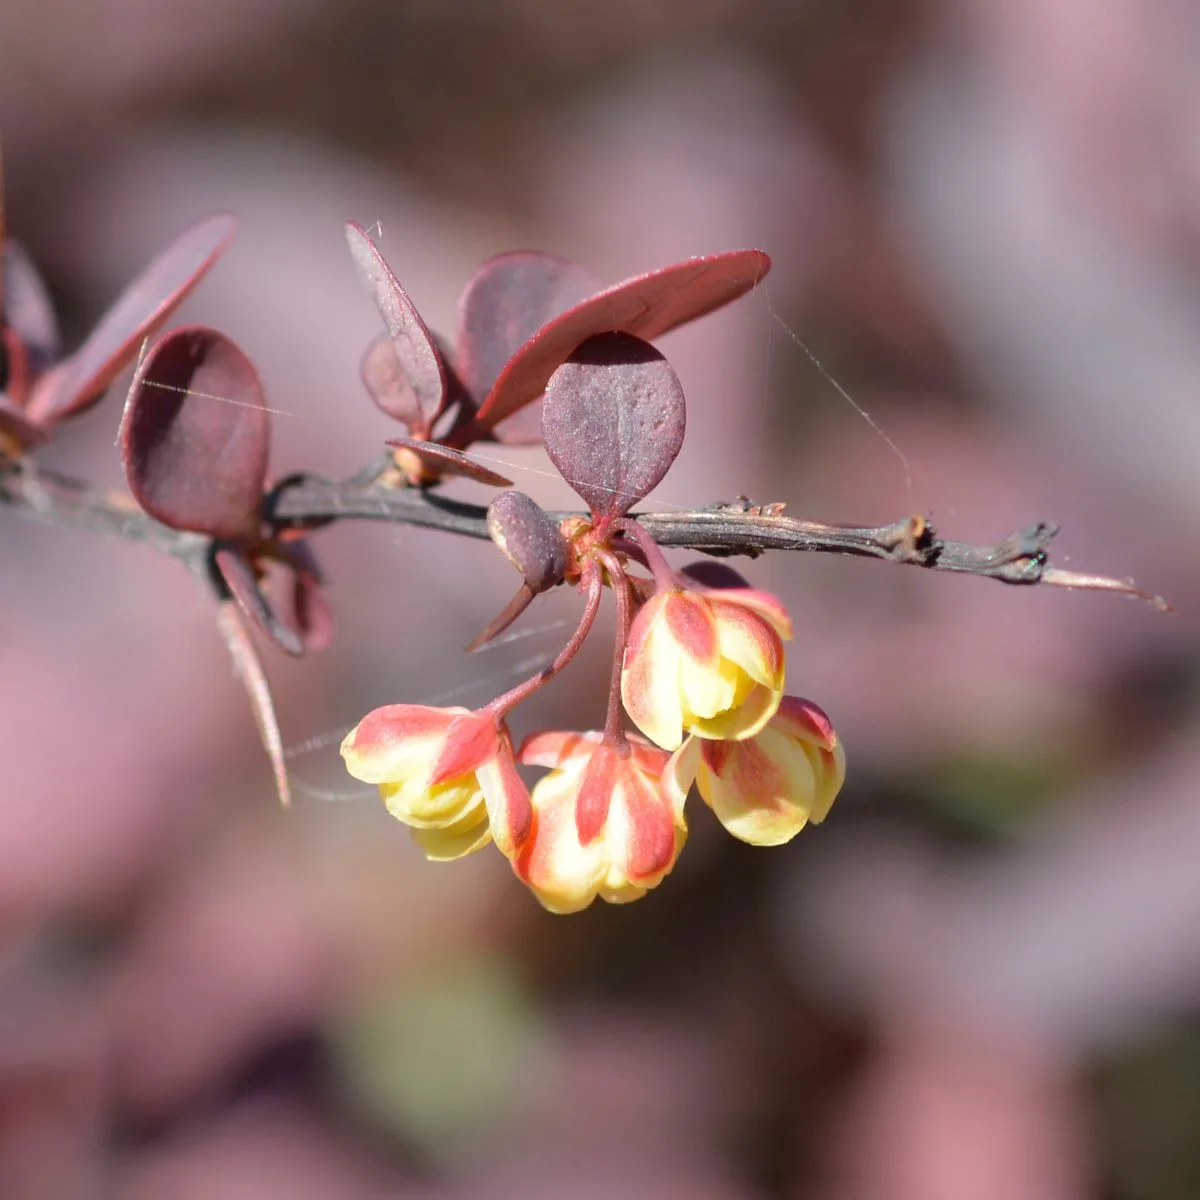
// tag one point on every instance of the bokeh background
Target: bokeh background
(980, 977)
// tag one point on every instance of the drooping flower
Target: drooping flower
(766, 788)
(604, 822)
(709, 663)
(447, 773)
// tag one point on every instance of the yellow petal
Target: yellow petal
(456, 841)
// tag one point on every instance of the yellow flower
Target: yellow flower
(708, 663)
(447, 773)
(604, 823)
(765, 789)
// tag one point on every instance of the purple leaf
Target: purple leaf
(140, 310)
(613, 421)
(194, 437)
(16, 428)
(442, 460)
(403, 372)
(28, 311)
(245, 587)
(507, 300)
(311, 614)
(530, 538)
(647, 305)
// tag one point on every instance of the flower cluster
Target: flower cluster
(698, 664)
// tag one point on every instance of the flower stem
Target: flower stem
(665, 576)
(614, 735)
(594, 584)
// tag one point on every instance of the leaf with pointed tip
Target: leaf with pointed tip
(404, 372)
(245, 587)
(648, 306)
(28, 311)
(195, 434)
(506, 302)
(140, 310)
(439, 460)
(613, 421)
(250, 670)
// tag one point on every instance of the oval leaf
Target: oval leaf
(194, 437)
(139, 311)
(506, 302)
(613, 421)
(647, 306)
(530, 538)
(28, 312)
(403, 373)
(437, 460)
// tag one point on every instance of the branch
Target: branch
(303, 501)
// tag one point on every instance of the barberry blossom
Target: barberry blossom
(765, 789)
(604, 822)
(447, 773)
(709, 663)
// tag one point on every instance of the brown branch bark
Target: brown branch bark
(740, 528)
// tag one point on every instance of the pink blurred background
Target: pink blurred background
(980, 978)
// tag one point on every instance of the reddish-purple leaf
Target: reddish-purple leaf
(28, 311)
(507, 300)
(250, 669)
(647, 305)
(442, 460)
(311, 613)
(613, 421)
(141, 309)
(530, 538)
(16, 428)
(403, 373)
(195, 434)
(245, 587)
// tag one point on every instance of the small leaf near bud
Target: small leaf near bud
(613, 421)
(531, 541)
(404, 374)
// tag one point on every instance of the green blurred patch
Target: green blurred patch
(989, 799)
(446, 1062)
(1147, 1117)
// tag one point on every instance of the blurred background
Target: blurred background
(980, 977)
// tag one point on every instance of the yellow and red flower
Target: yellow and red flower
(766, 788)
(605, 823)
(709, 663)
(447, 773)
